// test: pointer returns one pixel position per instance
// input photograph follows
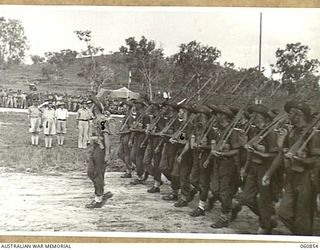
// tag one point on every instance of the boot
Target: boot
(223, 221)
(170, 197)
(197, 212)
(235, 211)
(153, 190)
(94, 204)
(181, 203)
(137, 182)
(126, 175)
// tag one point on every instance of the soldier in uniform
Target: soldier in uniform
(257, 197)
(99, 154)
(204, 136)
(124, 149)
(49, 123)
(298, 203)
(62, 115)
(83, 117)
(184, 160)
(34, 115)
(170, 148)
(152, 156)
(10, 99)
(136, 138)
(225, 169)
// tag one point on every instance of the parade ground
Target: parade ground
(46, 191)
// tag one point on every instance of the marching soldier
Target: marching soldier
(225, 169)
(124, 149)
(152, 157)
(298, 203)
(136, 138)
(170, 147)
(184, 161)
(257, 197)
(204, 136)
(100, 153)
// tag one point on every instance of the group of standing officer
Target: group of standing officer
(53, 120)
(247, 156)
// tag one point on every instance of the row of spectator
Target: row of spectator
(21, 99)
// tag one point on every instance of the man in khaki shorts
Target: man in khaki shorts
(34, 115)
(61, 125)
(49, 123)
(83, 117)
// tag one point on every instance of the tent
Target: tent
(124, 93)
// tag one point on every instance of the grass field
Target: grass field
(17, 154)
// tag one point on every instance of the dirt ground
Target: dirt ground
(46, 190)
(55, 202)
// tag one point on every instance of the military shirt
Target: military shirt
(34, 112)
(84, 114)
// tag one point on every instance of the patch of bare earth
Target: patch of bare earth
(46, 190)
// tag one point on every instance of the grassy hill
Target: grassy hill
(20, 76)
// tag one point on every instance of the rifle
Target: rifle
(147, 110)
(171, 122)
(228, 130)
(153, 125)
(125, 123)
(315, 129)
(193, 116)
(212, 121)
(159, 115)
(265, 131)
(300, 144)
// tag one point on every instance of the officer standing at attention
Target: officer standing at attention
(34, 115)
(49, 123)
(62, 115)
(83, 117)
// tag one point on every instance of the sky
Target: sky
(234, 31)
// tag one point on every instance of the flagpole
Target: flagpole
(258, 100)
(129, 81)
(260, 42)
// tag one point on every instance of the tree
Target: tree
(37, 59)
(13, 42)
(144, 61)
(90, 51)
(293, 65)
(61, 58)
(195, 58)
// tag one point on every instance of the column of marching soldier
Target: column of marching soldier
(216, 150)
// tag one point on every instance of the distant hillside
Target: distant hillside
(20, 76)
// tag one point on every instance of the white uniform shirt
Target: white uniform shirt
(62, 114)
(49, 114)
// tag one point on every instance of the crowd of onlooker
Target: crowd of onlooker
(10, 98)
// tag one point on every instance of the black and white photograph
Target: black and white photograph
(166, 120)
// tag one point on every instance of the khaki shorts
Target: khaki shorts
(61, 127)
(49, 127)
(35, 125)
